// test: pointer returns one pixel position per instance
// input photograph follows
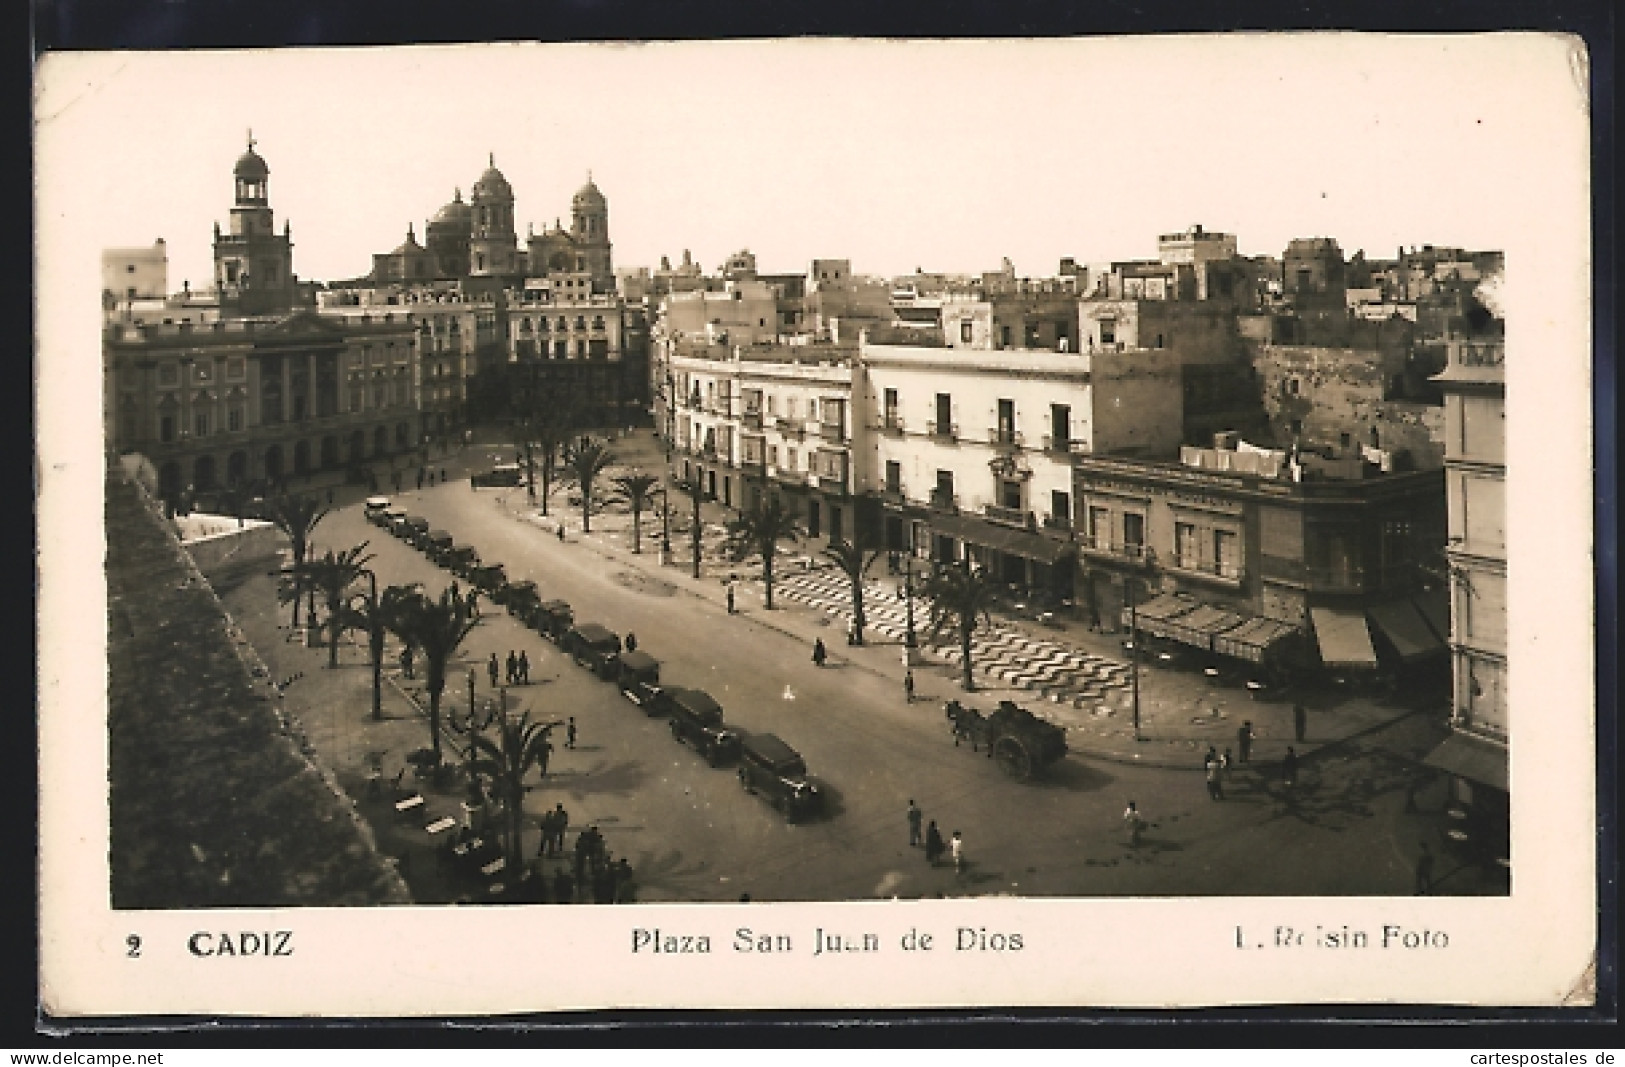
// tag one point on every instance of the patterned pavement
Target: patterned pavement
(1055, 671)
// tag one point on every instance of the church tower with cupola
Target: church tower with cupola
(589, 227)
(493, 245)
(253, 264)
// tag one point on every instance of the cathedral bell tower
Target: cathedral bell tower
(253, 264)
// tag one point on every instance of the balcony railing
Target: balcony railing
(1008, 516)
(752, 420)
(1322, 579)
(789, 477)
(1103, 546)
(891, 423)
(942, 500)
(893, 494)
(1004, 438)
(791, 427)
(1057, 522)
(1062, 445)
(1222, 570)
(831, 431)
(945, 431)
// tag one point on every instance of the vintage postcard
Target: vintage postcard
(828, 524)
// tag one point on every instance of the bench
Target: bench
(410, 804)
(441, 825)
(492, 869)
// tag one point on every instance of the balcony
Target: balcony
(787, 477)
(1063, 445)
(944, 500)
(892, 423)
(1121, 551)
(752, 419)
(893, 495)
(945, 431)
(790, 427)
(1058, 522)
(832, 431)
(1223, 572)
(1008, 516)
(1004, 439)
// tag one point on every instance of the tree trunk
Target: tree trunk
(857, 608)
(586, 508)
(547, 479)
(696, 533)
(637, 528)
(435, 686)
(767, 574)
(964, 648)
(376, 648)
(333, 635)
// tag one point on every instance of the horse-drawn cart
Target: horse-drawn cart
(1023, 744)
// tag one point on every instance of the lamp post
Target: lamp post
(1131, 586)
(374, 644)
(471, 724)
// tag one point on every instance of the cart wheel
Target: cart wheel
(1014, 758)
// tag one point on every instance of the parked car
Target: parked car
(503, 475)
(554, 619)
(488, 578)
(436, 543)
(696, 720)
(414, 529)
(594, 647)
(520, 598)
(459, 559)
(392, 519)
(374, 509)
(638, 675)
(772, 768)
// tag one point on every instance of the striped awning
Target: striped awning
(1405, 630)
(1198, 626)
(1343, 638)
(1253, 639)
(1153, 616)
(1471, 758)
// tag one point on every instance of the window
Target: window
(965, 330)
(166, 428)
(1133, 534)
(168, 374)
(1297, 427)
(1343, 440)
(945, 486)
(890, 402)
(894, 476)
(1108, 332)
(1007, 421)
(1186, 552)
(200, 423)
(1060, 508)
(944, 414)
(1227, 554)
(1060, 425)
(234, 418)
(235, 367)
(772, 455)
(1010, 494)
(1100, 528)
(1292, 386)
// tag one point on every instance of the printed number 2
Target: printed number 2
(132, 946)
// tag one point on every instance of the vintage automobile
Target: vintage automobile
(436, 543)
(374, 509)
(520, 598)
(696, 720)
(593, 646)
(1023, 744)
(413, 529)
(391, 518)
(503, 475)
(554, 619)
(775, 770)
(460, 560)
(488, 578)
(638, 675)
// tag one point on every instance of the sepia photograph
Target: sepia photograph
(1042, 499)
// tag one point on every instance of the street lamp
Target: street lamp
(1131, 586)
(471, 724)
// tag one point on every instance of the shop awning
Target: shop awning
(1253, 639)
(1197, 627)
(1405, 629)
(1006, 539)
(1473, 758)
(1343, 638)
(1435, 608)
(1152, 617)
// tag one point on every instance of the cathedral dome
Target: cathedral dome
(251, 166)
(492, 185)
(588, 196)
(454, 216)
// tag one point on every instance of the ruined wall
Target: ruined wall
(1335, 399)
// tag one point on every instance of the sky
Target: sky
(936, 155)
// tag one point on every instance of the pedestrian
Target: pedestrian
(933, 843)
(1424, 870)
(570, 733)
(420, 477)
(914, 816)
(1300, 722)
(908, 686)
(956, 847)
(819, 653)
(494, 670)
(546, 826)
(456, 593)
(561, 823)
(730, 598)
(406, 661)
(1215, 788)
(1135, 823)
(474, 604)
(631, 641)
(582, 851)
(1226, 762)
(561, 533)
(1289, 768)
(443, 478)
(431, 479)
(1244, 741)
(524, 668)
(512, 667)
(543, 755)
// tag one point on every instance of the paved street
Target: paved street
(692, 834)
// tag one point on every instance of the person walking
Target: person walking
(914, 816)
(512, 667)
(1300, 722)
(456, 592)
(570, 733)
(631, 641)
(420, 477)
(819, 653)
(1215, 787)
(1424, 870)
(561, 533)
(524, 668)
(406, 662)
(1135, 823)
(473, 603)
(543, 756)
(956, 848)
(730, 597)
(908, 686)
(493, 669)
(1289, 769)
(443, 478)
(1244, 741)
(933, 843)
(1226, 762)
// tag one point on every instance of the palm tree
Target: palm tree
(695, 489)
(759, 529)
(296, 516)
(960, 599)
(376, 615)
(519, 746)
(435, 628)
(635, 488)
(854, 562)
(332, 576)
(585, 460)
